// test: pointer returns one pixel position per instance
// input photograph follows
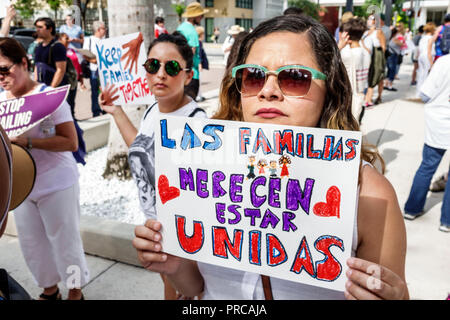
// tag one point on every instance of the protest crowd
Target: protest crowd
(334, 79)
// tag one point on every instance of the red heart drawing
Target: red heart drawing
(331, 207)
(166, 192)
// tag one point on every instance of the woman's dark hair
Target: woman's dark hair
(355, 28)
(49, 23)
(180, 42)
(159, 20)
(393, 33)
(10, 48)
(337, 106)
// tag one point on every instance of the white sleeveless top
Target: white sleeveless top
(371, 41)
(225, 283)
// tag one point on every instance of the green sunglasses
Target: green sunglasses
(293, 80)
(171, 67)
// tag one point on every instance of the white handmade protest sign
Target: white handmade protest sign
(270, 199)
(120, 66)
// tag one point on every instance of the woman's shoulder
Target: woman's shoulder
(377, 206)
(375, 185)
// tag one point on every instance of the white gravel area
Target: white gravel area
(111, 199)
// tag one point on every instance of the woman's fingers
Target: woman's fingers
(377, 279)
(354, 291)
(146, 245)
(147, 233)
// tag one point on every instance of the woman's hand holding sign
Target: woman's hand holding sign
(183, 273)
(148, 246)
(371, 281)
(132, 54)
(107, 98)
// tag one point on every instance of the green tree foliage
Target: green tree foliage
(179, 9)
(310, 8)
(56, 4)
(26, 8)
(397, 6)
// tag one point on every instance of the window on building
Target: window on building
(209, 30)
(245, 23)
(209, 3)
(246, 4)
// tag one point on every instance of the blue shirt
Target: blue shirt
(191, 35)
(73, 32)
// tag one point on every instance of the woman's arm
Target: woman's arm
(429, 51)
(6, 23)
(65, 139)
(378, 271)
(126, 127)
(382, 40)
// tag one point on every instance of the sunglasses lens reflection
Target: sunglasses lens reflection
(293, 82)
(172, 67)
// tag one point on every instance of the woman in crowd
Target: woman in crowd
(375, 42)
(323, 100)
(48, 221)
(425, 53)
(396, 43)
(356, 59)
(169, 69)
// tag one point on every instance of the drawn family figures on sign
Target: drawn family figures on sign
(293, 221)
(283, 161)
(122, 75)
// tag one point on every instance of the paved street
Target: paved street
(395, 127)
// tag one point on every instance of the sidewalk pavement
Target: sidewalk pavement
(396, 127)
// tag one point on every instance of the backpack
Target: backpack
(71, 72)
(46, 71)
(445, 40)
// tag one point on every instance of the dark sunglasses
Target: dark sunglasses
(293, 80)
(4, 71)
(171, 67)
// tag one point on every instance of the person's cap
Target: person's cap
(194, 9)
(236, 29)
(17, 174)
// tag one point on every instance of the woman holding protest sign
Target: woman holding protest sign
(48, 220)
(303, 96)
(169, 70)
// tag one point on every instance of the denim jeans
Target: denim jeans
(392, 62)
(431, 157)
(95, 84)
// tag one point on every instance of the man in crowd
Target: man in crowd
(46, 30)
(194, 14)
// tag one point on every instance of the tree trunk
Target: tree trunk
(349, 6)
(388, 14)
(125, 17)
